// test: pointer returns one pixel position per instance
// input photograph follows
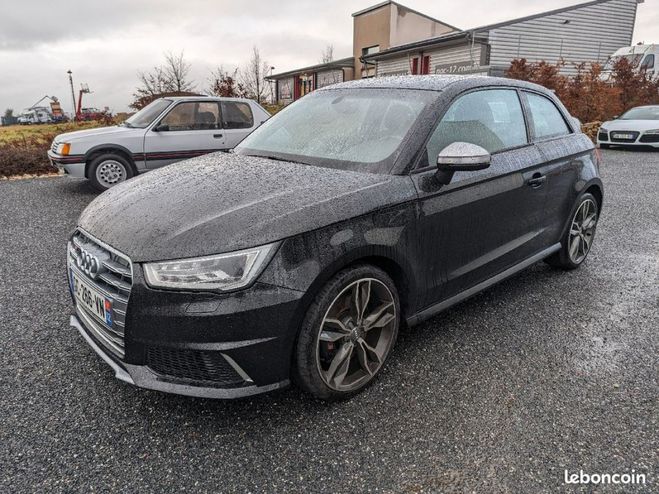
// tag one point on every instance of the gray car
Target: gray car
(167, 130)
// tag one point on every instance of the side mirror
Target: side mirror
(161, 128)
(460, 156)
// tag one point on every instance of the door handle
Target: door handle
(537, 180)
(217, 136)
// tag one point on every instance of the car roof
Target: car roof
(203, 97)
(434, 82)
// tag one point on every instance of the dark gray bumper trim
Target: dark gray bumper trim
(141, 376)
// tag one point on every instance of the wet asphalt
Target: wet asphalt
(544, 372)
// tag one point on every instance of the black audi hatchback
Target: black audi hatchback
(363, 207)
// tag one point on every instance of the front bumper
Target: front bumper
(206, 345)
(143, 377)
(636, 139)
(70, 165)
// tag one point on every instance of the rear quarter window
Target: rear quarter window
(547, 120)
(236, 115)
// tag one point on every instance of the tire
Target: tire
(580, 234)
(108, 170)
(334, 358)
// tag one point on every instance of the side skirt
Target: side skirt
(445, 304)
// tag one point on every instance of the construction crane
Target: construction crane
(55, 108)
(84, 89)
(84, 114)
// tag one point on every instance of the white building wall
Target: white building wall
(586, 34)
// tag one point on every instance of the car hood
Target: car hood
(100, 131)
(639, 125)
(224, 202)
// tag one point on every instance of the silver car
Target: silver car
(167, 130)
(638, 127)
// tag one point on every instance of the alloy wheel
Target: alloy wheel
(356, 334)
(582, 231)
(110, 172)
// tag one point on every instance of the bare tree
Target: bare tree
(328, 54)
(252, 76)
(177, 70)
(225, 83)
(171, 79)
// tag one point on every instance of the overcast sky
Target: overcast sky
(106, 43)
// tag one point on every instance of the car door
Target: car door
(551, 133)
(488, 220)
(237, 122)
(188, 129)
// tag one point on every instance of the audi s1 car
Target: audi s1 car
(361, 208)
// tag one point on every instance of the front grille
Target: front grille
(114, 281)
(615, 136)
(650, 139)
(603, 136)
(193, 365)
(53, 147)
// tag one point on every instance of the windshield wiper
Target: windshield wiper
(276, 158)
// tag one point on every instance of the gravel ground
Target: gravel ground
(544, 372)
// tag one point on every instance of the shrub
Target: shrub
(586, 95)
(26, 157)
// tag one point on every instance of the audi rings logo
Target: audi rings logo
(89, 264)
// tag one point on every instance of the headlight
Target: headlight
(652, 132)
(220, 272)
(63, 148)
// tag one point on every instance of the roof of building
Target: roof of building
(391, 2)
(334, 64)
(468, 32)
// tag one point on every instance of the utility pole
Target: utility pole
(272, 91)
(73, 94)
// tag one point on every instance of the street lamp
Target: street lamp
(73, 94)
(272, 91)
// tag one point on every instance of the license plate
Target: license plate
(91, 299)
(623, 136)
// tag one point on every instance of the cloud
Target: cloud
(105, 44)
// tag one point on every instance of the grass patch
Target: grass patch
(23, 147)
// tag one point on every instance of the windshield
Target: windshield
(633, 59)
(642, 113)
(148, 114)
(352, 129)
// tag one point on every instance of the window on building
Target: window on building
(547, 119)
(492, 119)
(193, 116)
(370, 50)
(425, 65)
(236, 115)
(415, 65)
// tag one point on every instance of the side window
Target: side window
(547, 119)
(490, 118)
(648, 63)
(193, 116)
(236, 115)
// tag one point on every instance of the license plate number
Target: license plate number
(91, 299)
(623, 136)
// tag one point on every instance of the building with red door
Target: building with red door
(390, 39)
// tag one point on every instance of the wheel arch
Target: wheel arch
(395, 267)
(593, 187)
(110, 149)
